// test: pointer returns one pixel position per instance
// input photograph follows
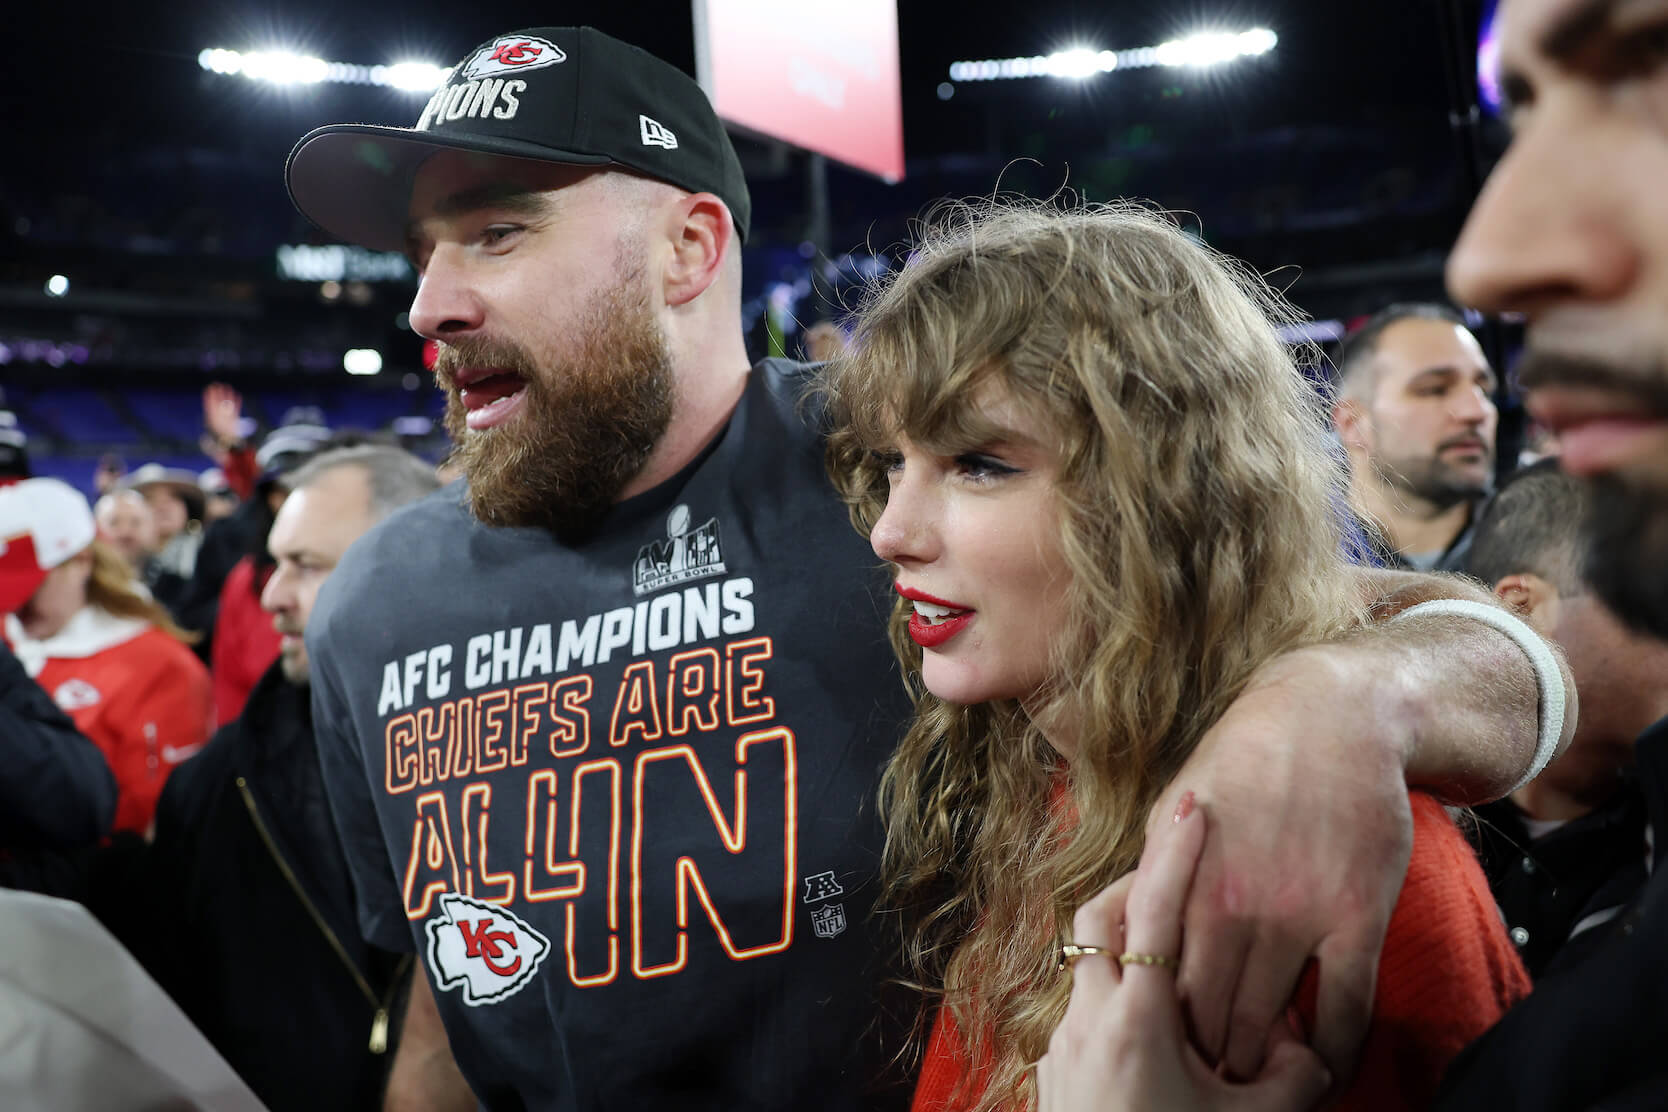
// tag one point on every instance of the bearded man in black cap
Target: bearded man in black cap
(601, 725)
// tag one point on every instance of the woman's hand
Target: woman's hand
(1122, 1044)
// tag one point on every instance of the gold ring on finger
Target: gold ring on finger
(1071, 951)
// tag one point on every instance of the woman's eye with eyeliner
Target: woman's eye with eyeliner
(886, 461)
(977, 465)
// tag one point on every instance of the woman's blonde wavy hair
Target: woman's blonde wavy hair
(112, 587)
(1199, 506)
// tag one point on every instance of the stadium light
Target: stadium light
(57, 286)
(279, 67)
(362, 361)
(1207, 48)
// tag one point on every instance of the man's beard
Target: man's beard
(296, 667)
(589, 419)
(1627, 551)
(1432, 479)
(1626, 530)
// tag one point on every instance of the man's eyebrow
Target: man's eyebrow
(297, 552)
(1575, 29)
(1564, 40)
(513, 196)
(508, 196)
(1451, 370)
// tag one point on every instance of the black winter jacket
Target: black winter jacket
(56, 791)
(247, 915)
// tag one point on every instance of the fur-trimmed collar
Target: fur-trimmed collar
(92, 630)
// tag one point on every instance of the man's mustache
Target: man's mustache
(478, 351)
(1468, 440)
(1646, 381)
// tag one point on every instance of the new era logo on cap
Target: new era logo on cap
(656, 134)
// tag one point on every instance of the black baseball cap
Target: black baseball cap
(552, 94)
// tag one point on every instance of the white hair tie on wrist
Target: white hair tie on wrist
(1547, 676)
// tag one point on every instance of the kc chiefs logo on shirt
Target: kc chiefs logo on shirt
(487, 951)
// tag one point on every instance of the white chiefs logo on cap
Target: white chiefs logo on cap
(488, 952)
(513, 53)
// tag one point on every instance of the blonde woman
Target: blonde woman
(106, 652)
(1106, 496)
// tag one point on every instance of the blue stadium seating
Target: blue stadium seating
(77, 415)
(175, 414)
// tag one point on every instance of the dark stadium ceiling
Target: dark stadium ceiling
(1333, 153)
(83, 77)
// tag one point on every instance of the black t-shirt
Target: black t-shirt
(620, 796)
(1590, 1036)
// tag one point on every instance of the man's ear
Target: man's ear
(1532, 598)
(1350, 419)
(700, 234)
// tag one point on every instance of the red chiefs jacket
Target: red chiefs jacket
(142, 697)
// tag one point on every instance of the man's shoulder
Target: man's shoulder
(411, 537)
(792, 390)
(397, 557)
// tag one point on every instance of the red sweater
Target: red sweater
(1448, 972)
(245, 644)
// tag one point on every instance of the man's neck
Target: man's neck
(703, 405)
(1547, 802)
(1630, 710)
(1411, 524)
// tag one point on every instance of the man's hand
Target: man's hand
(222, 413)
(1306, 776)
(1122, 1044)
(1312, 838)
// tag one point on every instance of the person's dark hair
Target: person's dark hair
(14, 455)
(394, 474)
(1357, 349)
(1532, 525)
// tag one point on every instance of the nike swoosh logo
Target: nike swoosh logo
(175, 754)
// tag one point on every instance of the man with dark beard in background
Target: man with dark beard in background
(620, 803)
(1415, 414)
(1572, 232)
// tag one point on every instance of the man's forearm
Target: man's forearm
(1466, 692)
(425, 1077)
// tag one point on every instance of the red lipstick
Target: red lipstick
(930, 635)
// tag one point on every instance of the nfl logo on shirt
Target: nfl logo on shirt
(829, 922)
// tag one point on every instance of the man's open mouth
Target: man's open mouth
(489, 396)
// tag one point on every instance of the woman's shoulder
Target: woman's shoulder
(1443, 864)
(1448, 967)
